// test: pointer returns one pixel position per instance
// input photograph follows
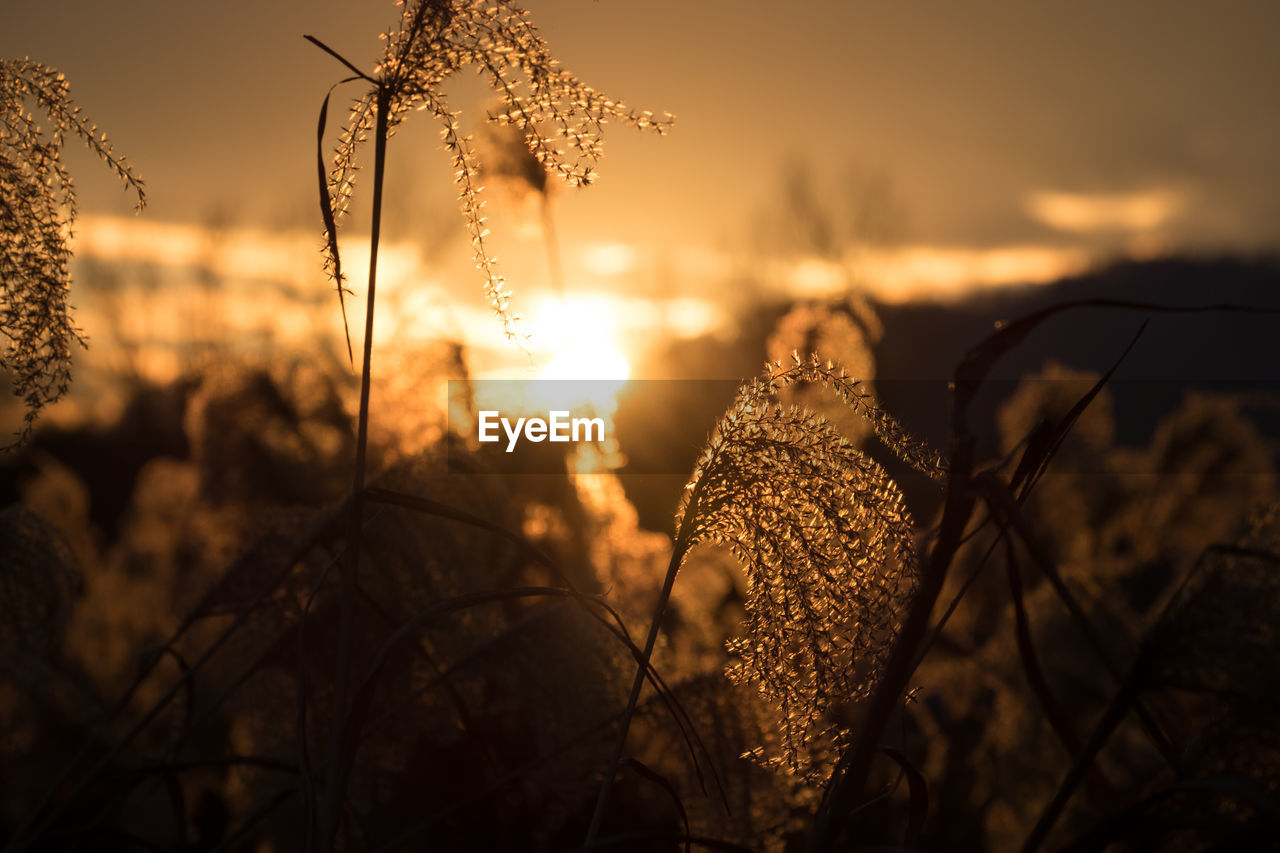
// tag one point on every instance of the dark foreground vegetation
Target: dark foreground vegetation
(1097, 669)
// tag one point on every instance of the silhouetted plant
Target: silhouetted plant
(37, 212)
(438, 38)
(435, 39)
(826, 542)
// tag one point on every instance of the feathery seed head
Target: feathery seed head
(436, 39)
(824, 536)
(37, 211)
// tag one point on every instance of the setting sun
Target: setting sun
(578, 338)
(588, 360)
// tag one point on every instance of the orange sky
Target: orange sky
(990, 123)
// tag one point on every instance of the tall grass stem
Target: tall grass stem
(337, 774)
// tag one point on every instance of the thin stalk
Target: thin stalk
(606, 786)
(1084, 760)
(335, 788)
(29, 834)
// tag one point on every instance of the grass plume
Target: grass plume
(37, 213)
(825, 538)
(561, 118)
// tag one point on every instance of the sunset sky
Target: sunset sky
(991, 122)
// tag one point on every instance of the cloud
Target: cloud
(1085, 213)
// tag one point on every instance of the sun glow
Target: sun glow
(577, 339)
(595, 360)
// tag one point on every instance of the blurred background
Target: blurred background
(879, 182)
